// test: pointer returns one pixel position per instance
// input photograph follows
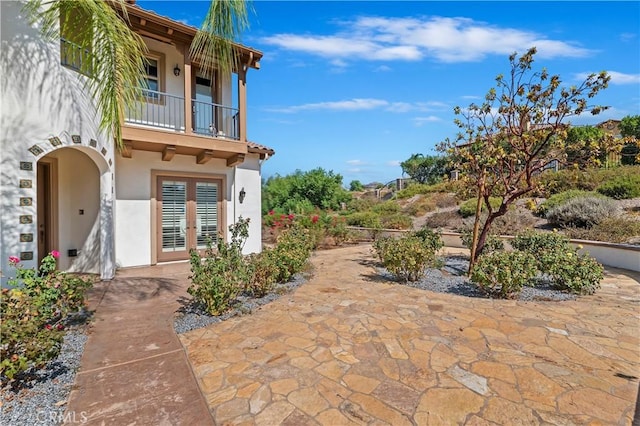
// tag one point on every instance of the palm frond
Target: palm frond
(213, 46)
(117, 54)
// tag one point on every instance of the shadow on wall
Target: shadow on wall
(46, 90)
(88, 259)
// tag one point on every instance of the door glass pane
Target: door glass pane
(206, 213)
(203, 108)
(174, 216)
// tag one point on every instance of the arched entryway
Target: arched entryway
(73, 213)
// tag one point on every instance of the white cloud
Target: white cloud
(419, 121)
(354, 170)
(628, 36)
(347, 105)
(394, 163)
(471, 97)
(616, 77)
(586, 118)
(412, 39)
(356, 162)
(365, 104)
(382, 68)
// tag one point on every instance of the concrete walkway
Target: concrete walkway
(134, 369)
(347, 348)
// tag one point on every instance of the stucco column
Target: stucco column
(188, 108)
(107, 246)
(242, 103)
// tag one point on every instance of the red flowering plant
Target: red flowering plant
(34, 308)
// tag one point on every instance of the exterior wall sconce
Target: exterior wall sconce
(242, 194)
(176, 70)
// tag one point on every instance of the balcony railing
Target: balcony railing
(165, 111)
(75, 57)
(157, 109)
(215, 120)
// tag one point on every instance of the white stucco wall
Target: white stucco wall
(133, 205)
(78, 189)
(41, 100)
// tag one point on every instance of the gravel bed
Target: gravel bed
(42, 396)
(451, 279)
(193, 315)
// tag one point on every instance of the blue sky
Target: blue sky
(357, 87)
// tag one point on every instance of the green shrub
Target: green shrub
(622, 188)
(561, 198)
(386, 208)
(586, 179)
(292, 250)
(361, 204)
(613, 229)
(263, 273)
(301, 192)
(556, 257)
(504, 274)
(406, 257)
(339, 232)
(219, 276)
(33, 311)
(492, 244)
(396, 221)
(414, 189)
(367, 219)
(468, 208)
(580, 274)
(28, 340)
(543, 246)
(430, 238)
(582, 212)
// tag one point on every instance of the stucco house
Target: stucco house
(188, 169)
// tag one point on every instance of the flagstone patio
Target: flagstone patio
(348, 348)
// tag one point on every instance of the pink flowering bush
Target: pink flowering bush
(33, 310)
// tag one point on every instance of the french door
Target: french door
(188, 215)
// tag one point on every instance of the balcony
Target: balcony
(165, 111)
(75, 57)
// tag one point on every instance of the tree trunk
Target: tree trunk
(476, 228)
(482, 239)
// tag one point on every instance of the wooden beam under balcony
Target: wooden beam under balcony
(127, 149)
(204, 156)
(235, 160)
(168, 152)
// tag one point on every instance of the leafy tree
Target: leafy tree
(630, 131)
(515, 134)
(586, 145)
(356, 185)
(427, 169)
(119, 65)
(304, 191)
(630, 126)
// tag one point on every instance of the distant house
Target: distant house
(611, 127)
(187, 172)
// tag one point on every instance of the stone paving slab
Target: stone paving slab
(349, 349)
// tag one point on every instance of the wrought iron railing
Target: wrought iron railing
(157, 109)
(75, 57)
(215, 120)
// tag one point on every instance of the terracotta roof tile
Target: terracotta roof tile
(260, 149)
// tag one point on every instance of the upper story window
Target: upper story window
(75, 40)
(153, 79)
